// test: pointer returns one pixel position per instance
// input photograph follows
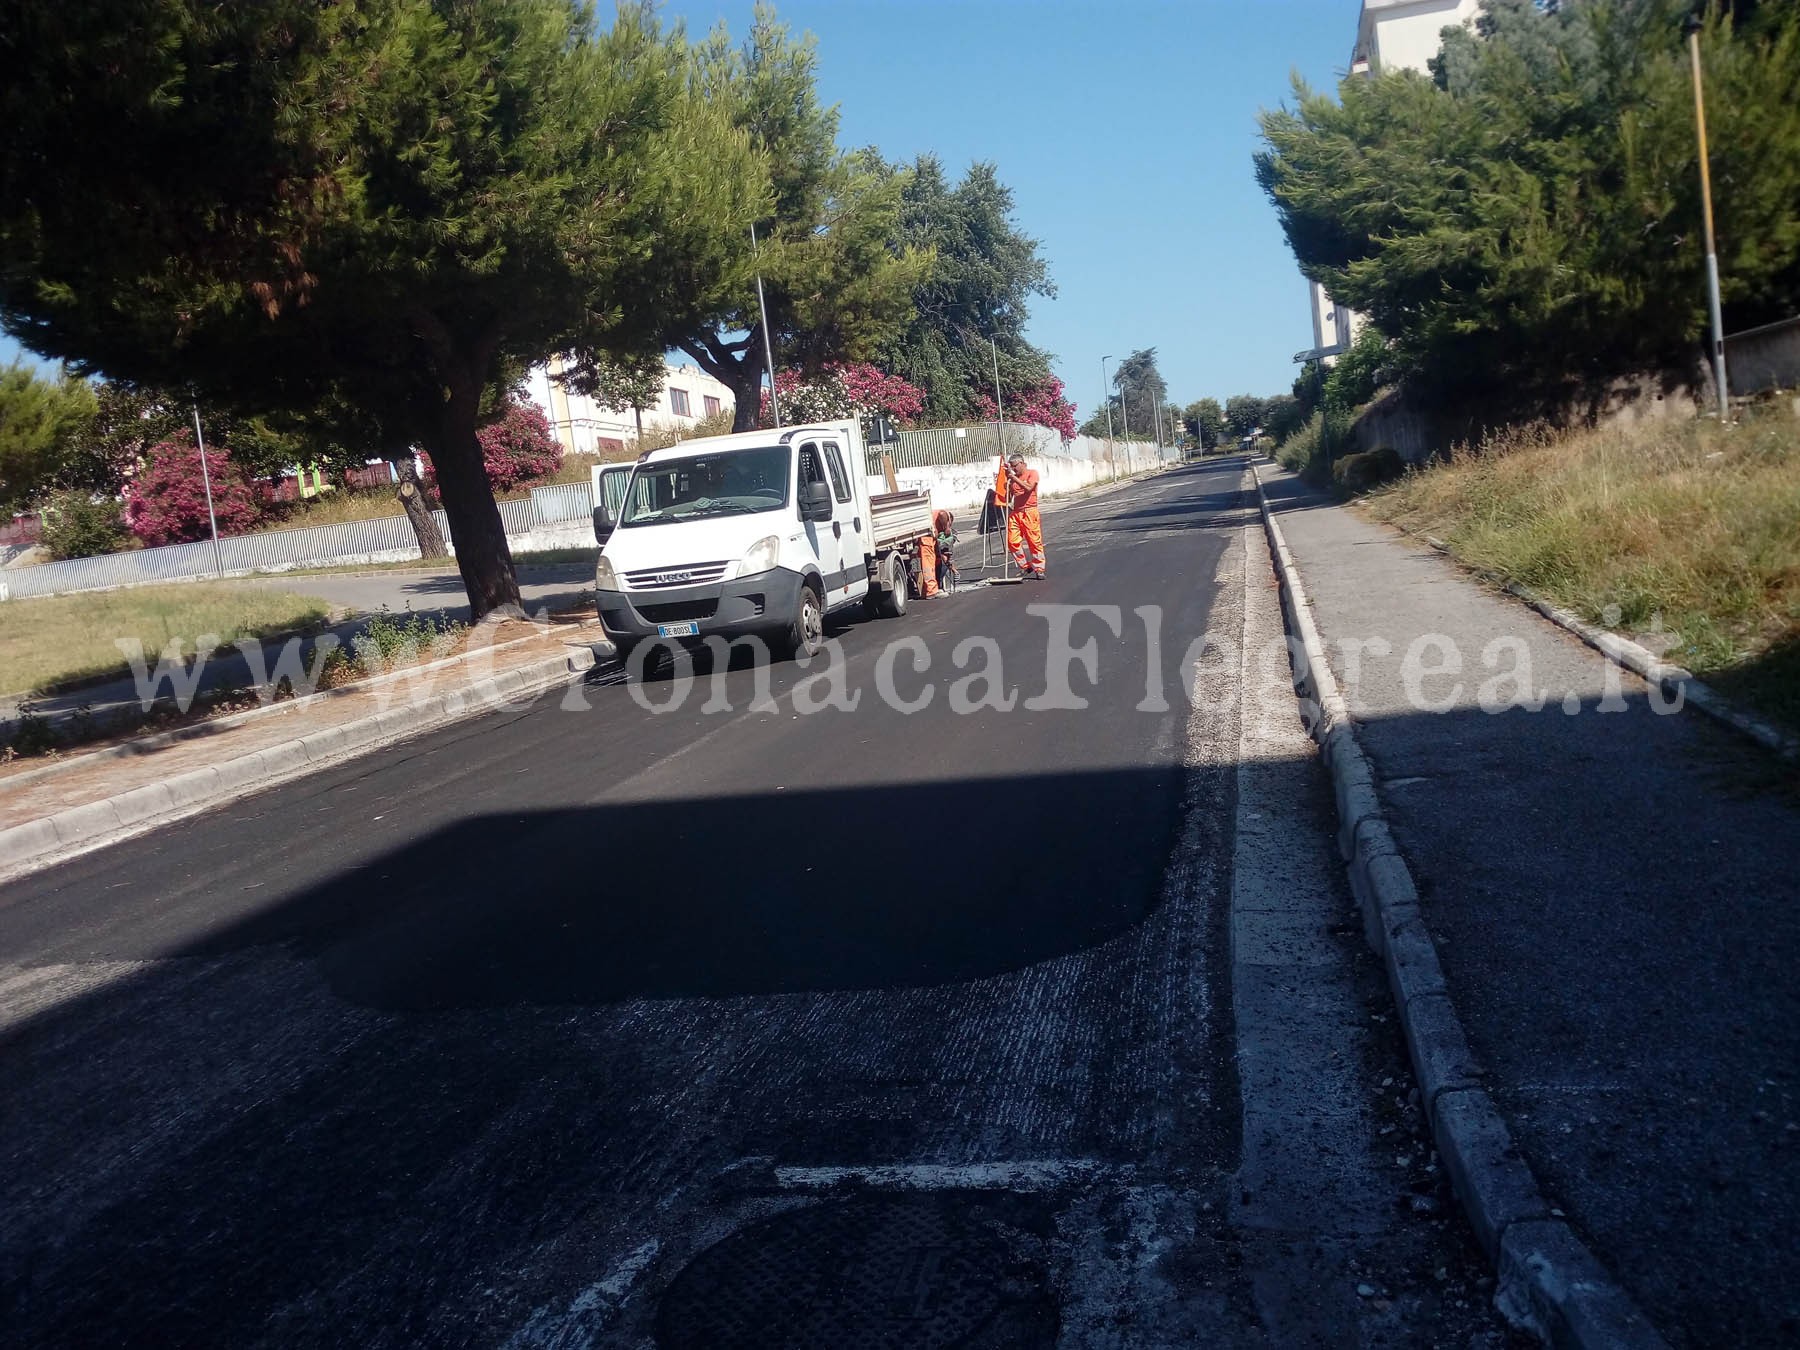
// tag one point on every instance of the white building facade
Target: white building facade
(1390, 35)
(585, 426)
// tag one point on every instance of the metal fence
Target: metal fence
(563, 501)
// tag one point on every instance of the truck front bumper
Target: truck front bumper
(763, 602)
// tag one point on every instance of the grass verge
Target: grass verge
(1684, 535)
(69, 637)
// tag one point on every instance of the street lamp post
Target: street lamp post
(1106, 398)
(206, 482)
(762, 307)
(1693, 26)
(1125, 425)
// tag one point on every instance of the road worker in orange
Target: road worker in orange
(1017, 487)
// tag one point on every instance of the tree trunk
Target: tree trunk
(412, 500)
(482, 554)
(745, 383)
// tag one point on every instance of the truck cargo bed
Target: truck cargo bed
(899, 516)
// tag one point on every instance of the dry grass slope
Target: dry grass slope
(1690, 529)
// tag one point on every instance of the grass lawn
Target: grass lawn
(65, 637)
(1689, 529)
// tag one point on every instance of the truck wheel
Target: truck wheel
(894, 602)
(806, 633)
(890, 601)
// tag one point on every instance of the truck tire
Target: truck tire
(889, 602)
(893, 602)
(805, 633)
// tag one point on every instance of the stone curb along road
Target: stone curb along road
(1548, 1281)
(36, 844)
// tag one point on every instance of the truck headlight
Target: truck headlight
(605, 579)
(762, 556)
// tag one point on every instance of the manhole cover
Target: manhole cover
(911, 1271)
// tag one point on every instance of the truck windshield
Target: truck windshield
(732, 482)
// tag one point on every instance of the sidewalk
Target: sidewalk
(1615, 899)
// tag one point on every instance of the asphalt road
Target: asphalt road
(619, 1020)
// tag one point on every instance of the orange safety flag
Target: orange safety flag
(928, 565)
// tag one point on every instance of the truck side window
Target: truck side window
(840, 481)
(812, 469)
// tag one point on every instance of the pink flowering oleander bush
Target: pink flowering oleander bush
(165, 502)
(517, 447)
(1042, 405)
(841, 391)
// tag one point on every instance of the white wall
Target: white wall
(582, 424)
(1406, 34)
(963, 488)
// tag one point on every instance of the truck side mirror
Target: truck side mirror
(815, 501)
(603, 524)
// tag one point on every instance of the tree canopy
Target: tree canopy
(983, 274)
(1142, 391)
(1205, 421)
(387, 205)
(834, 289)
(1529, 217)
(43, 421)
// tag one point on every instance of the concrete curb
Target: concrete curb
(1549, 1282)
(1675, 682)
(40, 843)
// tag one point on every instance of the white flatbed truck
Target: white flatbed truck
(760, 532)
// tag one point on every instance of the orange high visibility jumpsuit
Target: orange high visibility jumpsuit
(1024, 527)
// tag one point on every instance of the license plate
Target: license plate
(688, 629)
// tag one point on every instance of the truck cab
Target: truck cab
(762, 532)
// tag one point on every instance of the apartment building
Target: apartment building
(1390, 35)
(587, 427)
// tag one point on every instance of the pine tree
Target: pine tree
(387, 206)
(832, 288)
(1527, 221)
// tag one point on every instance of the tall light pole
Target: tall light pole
(999, 405)
(1693, 26)
(1124, 421)
(1106, 398)
(768, 346)
(206, 481)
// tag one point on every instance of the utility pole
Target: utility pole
(999, 407)
(1106, 398)
(762, 306)
(1124, 420)
(206, 481)
(1693, 26)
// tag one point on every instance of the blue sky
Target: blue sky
(1125, 129)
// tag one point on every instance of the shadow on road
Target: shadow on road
(864, 888)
